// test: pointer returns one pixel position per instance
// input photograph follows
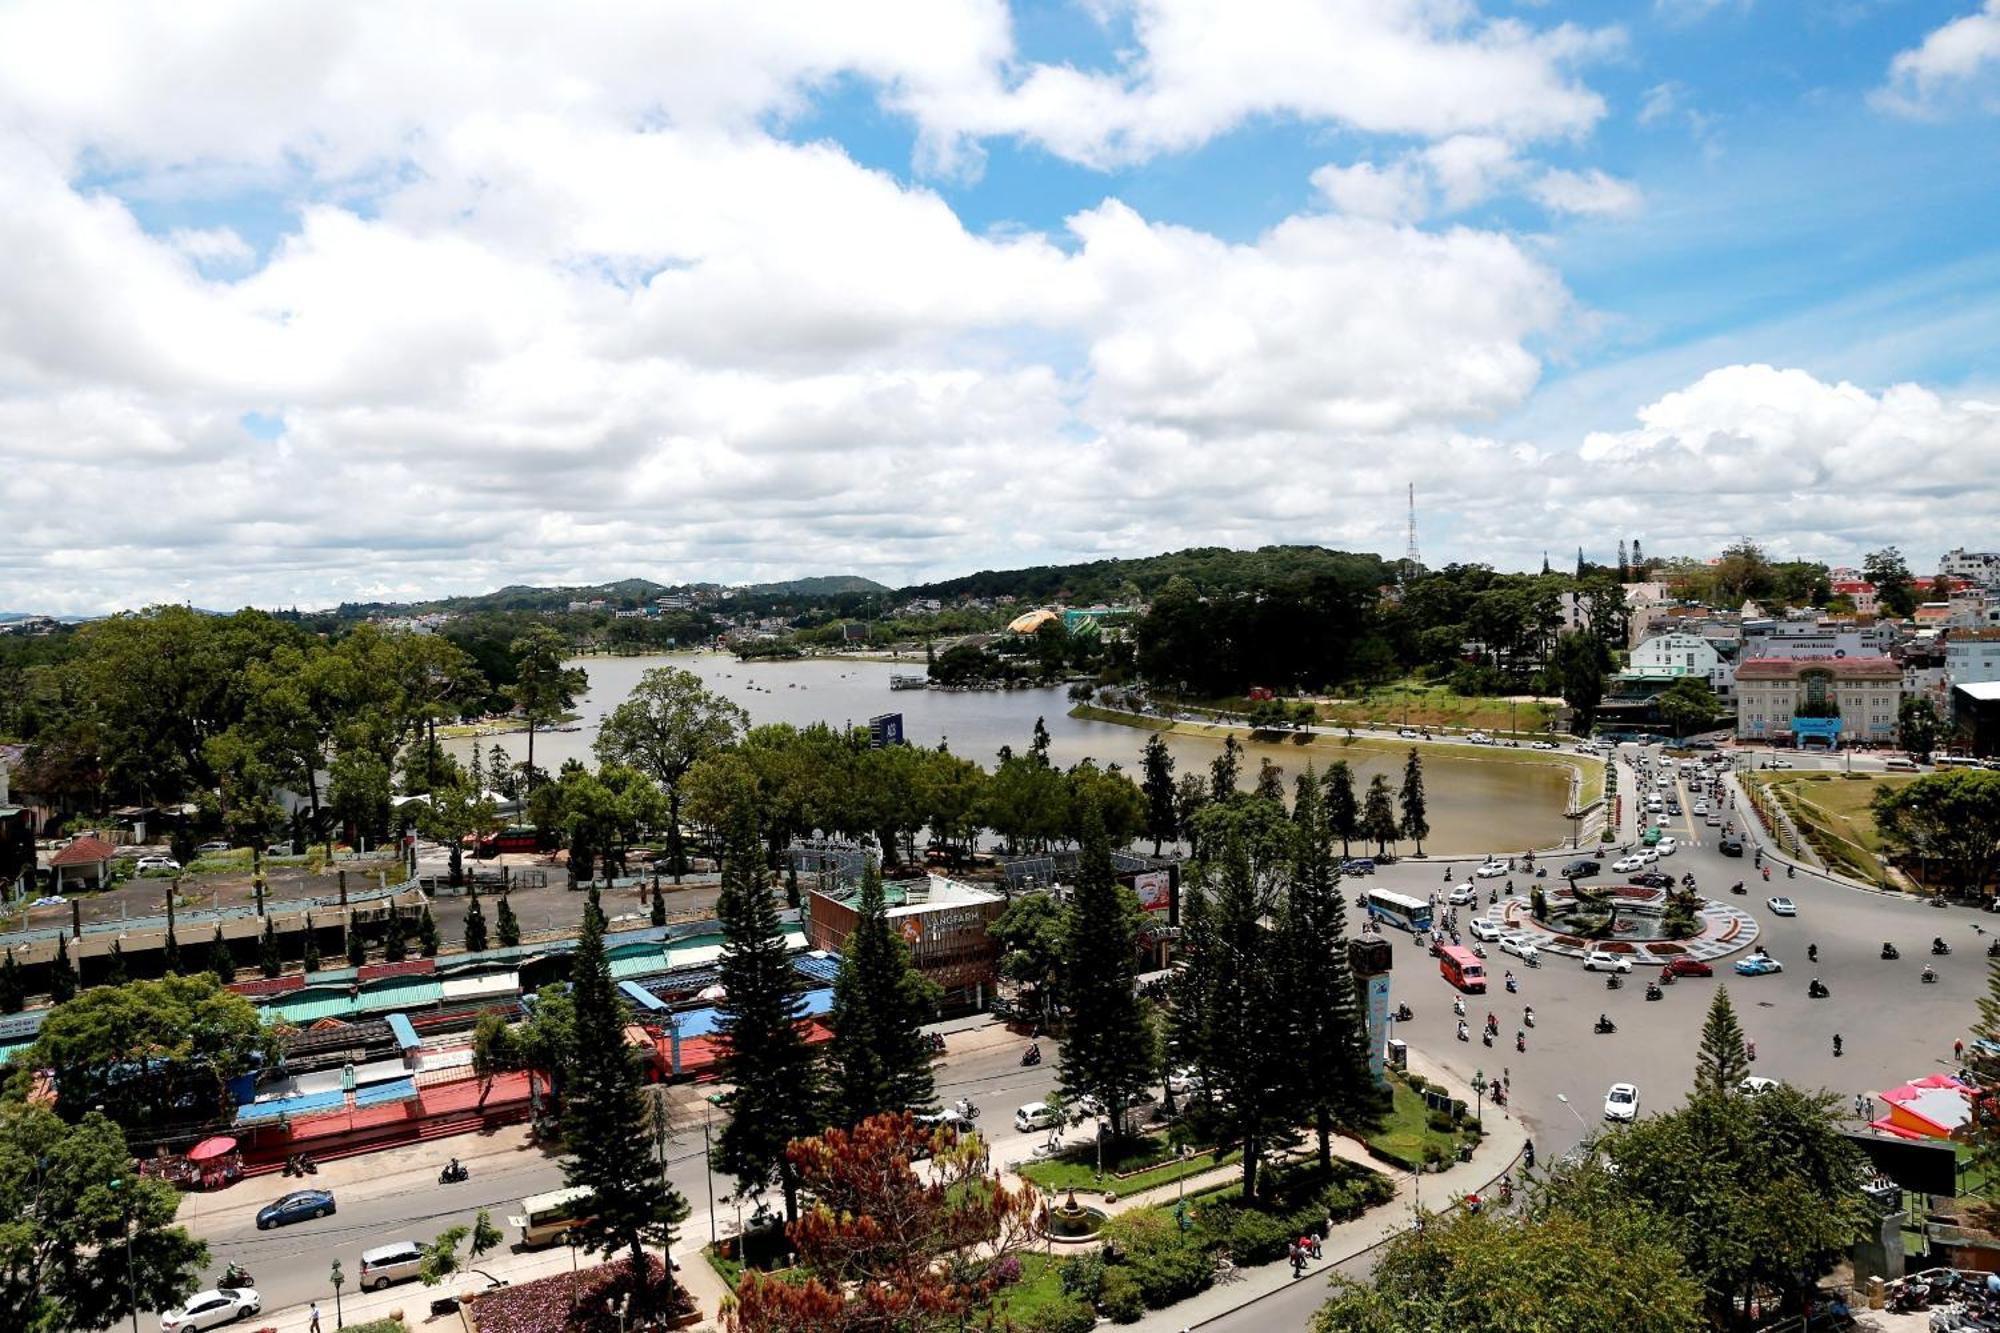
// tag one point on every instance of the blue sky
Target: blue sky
(411, 302)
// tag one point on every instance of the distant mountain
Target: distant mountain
(819, 585)
(1215, 570)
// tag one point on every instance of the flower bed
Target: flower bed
(1665, 949)
(586, 1301)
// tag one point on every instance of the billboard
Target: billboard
(1378, 1024)
(1155, 889)
(885, 729)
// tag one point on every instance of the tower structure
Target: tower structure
(1411, 561)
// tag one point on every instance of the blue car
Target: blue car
(1360, 865)
(295, 1207)
(1757, 965)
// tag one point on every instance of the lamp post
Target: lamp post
(338, 1279)
(708, 1168)
(131, 1274)
(1479, 1092)
(1563, 1097)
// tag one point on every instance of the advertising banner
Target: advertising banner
(1378, 1025)
(1155, 889)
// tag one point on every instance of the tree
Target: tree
(475, 925)
(220, 960)
(427, 934)
(1107, 1049)
(878, 1059)
(1918, 726)
(396, 940)
(357, 947)
(1190, 795)
(310, 962)
(1158, 785)
(1378, 815)
(270, 961)
(885, 1247)
(1225, 769)
(658, 915)
(1950, 821)
(666, 725)
(441, 1255)
(1743, 572)
(62, 975)
(1031, 934)
(1343, 812)
(1688, 705)
(1485, 1273)
(505, 925)
(632, 1205)
(496, 1049)
(544, 689)
(773, 1076)
(1723, 1060)
(1895, 590)
(1580, 663)
(1415, 826)
(547, 1039)
(85, 1234)
(141, 1049)
(13, 991)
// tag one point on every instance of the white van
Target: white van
(397, 1261)
(1036, 1115)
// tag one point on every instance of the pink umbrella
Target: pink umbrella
(210, 1149)
(713, 993)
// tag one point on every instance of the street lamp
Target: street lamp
(1563, 1097)
(1479, 1091)
(338, 1279)
(131, 1276)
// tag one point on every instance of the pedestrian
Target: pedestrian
(1298, 1257)
(1958, 1050)
(1506, 1078)
(313, 1327)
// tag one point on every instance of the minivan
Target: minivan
(397, 1261)
(1036, 1115)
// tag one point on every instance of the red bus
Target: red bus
(1462, 968)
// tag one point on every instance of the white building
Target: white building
(1803, 640)
(1979, 566)
(1972, 657)
(1692, 655)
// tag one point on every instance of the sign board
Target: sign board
(1378, 1024)
(1926, 1168)
(1155, 889)
(885, 729)
(1817, 728)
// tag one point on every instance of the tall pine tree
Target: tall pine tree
(1334, 1086)
(1158, 786)
(270, 961)
(505, 926)
(357, 947)
(220, 960)
(878, 1059)
(475, 925)
(604, 1119)
(310, 960)
(1723, 1060)
(773, 1074)
(1416, 826)
(62, 977)
(1343, 812)
(427, 933)
(13, 990)
(114, 966)
(396, 942)
(1378, 815)
(1107, 1049)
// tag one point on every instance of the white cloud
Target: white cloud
(1470, 167)
(1590, 193)
(221, 247)
(1660, 102)
(1398, 192)
(1954, 61)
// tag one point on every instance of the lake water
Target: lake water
(1474, 806)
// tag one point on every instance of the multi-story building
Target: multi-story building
(1982, 567)
(1692, 654)
(1972, 656)
(1834, 700)
(1805, 640)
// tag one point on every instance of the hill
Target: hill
(819, 585)
(1213, 569)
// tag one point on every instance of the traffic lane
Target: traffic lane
(1293, 1306)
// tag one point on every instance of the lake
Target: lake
(1475, 806)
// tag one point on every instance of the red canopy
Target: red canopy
(209, 1149)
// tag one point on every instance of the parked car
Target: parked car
(1600, 960)
(209, 1309)
(1689, 967)
(1036, 1115)
(1782, 906)
(1482, 929)
(1491, 870)
(397, 1261)
(1183, 1081)
(295, 1207)
(146, 863)
(1758, 965)
(1360, 865)
(1581, 869)
(1622, 1102)
(215, 845)
(1756, 1085)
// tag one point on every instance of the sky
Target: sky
(311, 303)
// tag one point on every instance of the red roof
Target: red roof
(1786, 668)
(85, 851)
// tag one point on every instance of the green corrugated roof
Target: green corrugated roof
(638, 963)
(401, 993)
(309, 1006)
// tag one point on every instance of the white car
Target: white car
(1779, 763)
(1520, 946)
(1625, 865)
(1666, 846)
(1701, 807)
(1599, 960)
(1036, 1115)
(207, 1309)
(1622, 1102)
(1479, 738)
(1183, 1081)
(1782, 906)
(1464, 895)
(1543, 745)
(1491, 870)
(146, 863)
(1756, 1085)
(1663, 782)
(1409, 734)
(1482, 929)
(1649, 854)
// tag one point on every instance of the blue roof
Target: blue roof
(640, 996)
(401, 1029)
(399, 1090)
(303, 1104)
(692, 1023)
(817, 969)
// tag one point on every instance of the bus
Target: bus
(1399, 910)
(1462, 968)
(545, 1217)
(513, 838)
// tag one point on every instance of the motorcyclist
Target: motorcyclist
(1464, 1034)
(1930, 974)
(1836, 1043)
(1812, 953)
(1528, 1015)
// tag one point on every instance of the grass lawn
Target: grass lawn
(1835, 807)
(1038, 1287)
(1076, 1168)
(1406, 1131)
(1413, 705)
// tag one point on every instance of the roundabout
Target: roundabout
(1628, 919)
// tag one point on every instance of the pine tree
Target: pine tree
(395, 944)
(170, 954)
(1224, 769)
(269, 960)
(62, 977)
(1378, 815)
(1335, 1086)
(357, 947)
(475, 925)
(220, 960)
(604, 1119)
(1106, 1053)
(114, 966)
(1723, 1061)
(878, 1059)
(1158, 786)
(659, 913)
(13, 990)
(1343, 812)
(427, 934)
(774, 1075)
(1415, 826)
(311, 960)
(791, 889)
(505, 926)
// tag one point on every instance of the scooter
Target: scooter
(1737, 887)
(1032, 1056)
(1939, 948)
(1613, 982)
(454, 1173)
(1512, 985)
(1816, 989)
(236, 1276)
(1464, 1033)
(1520, 1041)
(1929, 976)
(1890, 952)
(1404, 1013)
(1458, 1006)
(1528, 1016)
(1653, 991)
(1487, 1036)
(1603, 1025)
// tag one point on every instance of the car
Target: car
(146, 863)
(1758, 965)
(1756, 1085)
(398, 1261)
(1491, 870)
(1482, 929)
(1730, 846)
(1688, 967)
(1085, 1107)
(1666, 846)
(295, 1207)
(1779, 763)
(1581, 869)
(1782, 906)
(1673, 807)
(1544, 745)
(1713, 819)
(214, 845)
(1648, 854)
(1359, 865)
(1622, 1102)
(1625, 865)
(944, 1119)
(1463, 896)
(1479, 738)
(1409, 734)
(1653, 879)
(1600, 960)
(209, 1309)
(1701, 807)
(1520, 946)
(1183, 1081)
(1036, 1115)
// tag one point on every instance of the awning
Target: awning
(401, 1090)
(403, 1031)
(208, 1149)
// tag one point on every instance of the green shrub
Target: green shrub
(1064, 1315)
(1251, 1237)
(1440, 1122)
(1167, 1263)
(1121, 1300)
(1082, 1275)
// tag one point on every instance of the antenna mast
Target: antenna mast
(1411, 562)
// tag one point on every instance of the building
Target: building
(85, 862)
(942, 921)
(1688, 655)
(1975, 718)
(1982, 567)
(1859, 591)
(1806, 640)
(1972, 656)
(1830, 700)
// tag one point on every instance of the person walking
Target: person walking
(1958, 1050)
(313, 1327)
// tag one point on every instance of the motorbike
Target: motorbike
(1604, 1024)
(967, 1108)
(1653, 991)
(1812, 953)
(1506, 1191)
(1993, 949)
(1478, 951)
(1666, 976)
(301, 1164)
(1458, 1006)
(1487, 1037)
(236, 1276)
(1404, 1013)
(1520, 1041)
(1816, 989)
(1836, 1044)
(1499, 1094)
(1032, 1056)
(454, 1173)
(1939, 948)
(1737, 887)
(1464, 1033)
(1533, 960)
(1613, 982)
(1528, 1017)
(1512, 985)
(1929, 976)
(1541, 872)
(1791, 872)
(1528, 1154)
(1890, 952)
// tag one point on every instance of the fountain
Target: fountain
(1070, 1220)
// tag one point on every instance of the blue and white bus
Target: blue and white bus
(1399, 910)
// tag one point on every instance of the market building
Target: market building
(943, 921)
(1832, 701)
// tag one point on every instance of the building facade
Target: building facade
(1836, 701)
(1982, 567)
(1692, 654)
(1972, 656)
(942, 921)
(1806, 640)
